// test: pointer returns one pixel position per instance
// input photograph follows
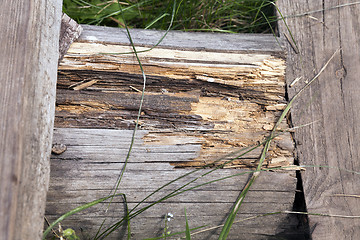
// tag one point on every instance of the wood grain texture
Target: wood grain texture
(331, 103)
(28, 63)
(89, 167)
(69, 32)
(255, 43)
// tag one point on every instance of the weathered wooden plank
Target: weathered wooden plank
(174, 148)
(218, 209)
(258, 43)
(331, 104)
(94, 152)
(201, 195)
(28, 63)
(78, 177)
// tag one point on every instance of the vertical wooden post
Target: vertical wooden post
(29, 44)
(331, 105)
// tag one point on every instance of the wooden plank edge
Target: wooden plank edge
(220, 42)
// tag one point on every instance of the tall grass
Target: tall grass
(237, 16)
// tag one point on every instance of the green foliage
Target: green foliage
(191, 15)
(69, 234)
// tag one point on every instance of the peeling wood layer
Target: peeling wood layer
(219, 101)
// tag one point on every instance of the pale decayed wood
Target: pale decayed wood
(28, 63)
(218, 100)
(331, 104)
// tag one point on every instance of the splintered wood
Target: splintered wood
(221, 101)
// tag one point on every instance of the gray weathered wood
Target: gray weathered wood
(256, 43)
(28, 63)
(331, 104)
(89, 172)
(69, 32)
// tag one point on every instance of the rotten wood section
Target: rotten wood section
(219, 100)
(203, 103)
(331, 104)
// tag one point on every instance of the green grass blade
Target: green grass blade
(144, 83)
(187, 231)
(238, 221)
(272, 30)
(287, 27)
(230, 219)
(138, 115)
(156, 20)
(118, 181)
(159, 41)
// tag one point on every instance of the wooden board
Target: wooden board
(331, 104)
(89, 167)
(203, 102)
(219, 42)
(28, 63)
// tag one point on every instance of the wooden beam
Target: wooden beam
(28, 64)
(331, 103)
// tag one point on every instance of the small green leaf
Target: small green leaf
(70, 234)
